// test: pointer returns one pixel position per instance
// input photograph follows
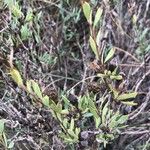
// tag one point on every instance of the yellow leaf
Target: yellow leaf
(16, 76)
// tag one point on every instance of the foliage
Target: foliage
(55, 92)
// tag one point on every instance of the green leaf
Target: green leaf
(29, 86)
(112, 124)
(59, 107)
(104, 113)
(65, 99)
(98, 37)
(53, 106)
(83, 103)
(90, 19)
(143, 34)
(110, 54)
(122, 119)
(25, 32)
(72, 134)
(77, 131)
(5, 139)
(116, 77)
(115, 92)
(101, 75)
(134, 19)
(69, 140)
(94, 48)
(102, 139)
(65, 112)
(16, 76)
(9, 3)
(59, 117)
(36, 89)
(46, 101)
(94, 111)
(93, 108)
(97, 122)
(65, 122)
(115, 71)
(2, 123)
(16, 11)
(127, 96)
(98, 16)
(87, 115)
(72, 124)
(86, 10)
(29, 16)
(117, 120)
(11, 145)
(110, 136)
(56, 108)
(131, 103)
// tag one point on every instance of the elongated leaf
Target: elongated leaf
(5, 139)
(36, 89)
(93, 108)
(65, 112)
(134, 19)
(104, 113)
(129, 103)
(25, 32)
(115, 92)
(94, 111)
(46, 101)
(72, 124)
(59, 107)
(72, 134)
(65, 122)
(116, 77)
(56, 108)
(112, 124)
(142, 36)
(59, 117)
(65, 99)
(83, 103)
(87, 115)
(69, 140)
(90, 19)
(97, 122)
(94, 48)
(9, 3)
(98, 16)
(29, 16)
(127, 96)
(11, 145)
(16, 11)
(98, 37)
(110, 54)
(16, 76)
(86, 10)
(2, 122)
(122, 119)
(29, 85)
(77, 131)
